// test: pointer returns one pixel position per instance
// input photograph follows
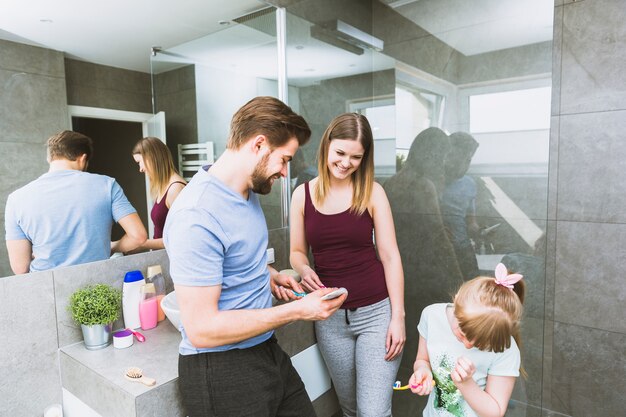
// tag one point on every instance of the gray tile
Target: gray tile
(32, 107)
(529, 390)
(553, 167)
(588, 372)
(165, 400)
(507, 63)
(594, 50)
(589, 288)
(29, 348)
(296, 337)
(86, 373)
(22, 163)
(557, 51)
(592, 167)
(67, 280)
(327, 405)
(279, 240)
(100, 394)
(548, 344)
(31, 59)
(550, 257)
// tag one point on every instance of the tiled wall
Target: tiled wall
(94, 85)
(586, 336)
(32, 108)
(175, 94)
(35, 322)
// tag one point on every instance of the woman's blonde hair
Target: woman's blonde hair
(348, 126)
(489, 313)
(158, 162)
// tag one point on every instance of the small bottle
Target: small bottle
(131, 297)
(155, 276)
(148, 307)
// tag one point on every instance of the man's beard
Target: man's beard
(261, 183)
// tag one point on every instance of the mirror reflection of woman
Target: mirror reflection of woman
(155, 160)
(336, 214)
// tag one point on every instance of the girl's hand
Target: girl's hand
(421, 382)
(310, 281)
(463, 371)
(396, 337)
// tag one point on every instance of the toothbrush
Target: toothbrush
(398, 387)
(139, 336)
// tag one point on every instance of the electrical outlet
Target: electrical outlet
(270, 256)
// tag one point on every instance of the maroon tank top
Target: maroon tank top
(344, 254)
(159, 213)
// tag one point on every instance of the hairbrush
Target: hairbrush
(136, 374)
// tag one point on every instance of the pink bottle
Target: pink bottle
(148, 307)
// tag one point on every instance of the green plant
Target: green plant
(95, 304)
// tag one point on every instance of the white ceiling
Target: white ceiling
(115, 32)
(121, 33)
(478, 26)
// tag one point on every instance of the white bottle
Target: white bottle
(131, 297)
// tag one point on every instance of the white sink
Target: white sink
(171, 309)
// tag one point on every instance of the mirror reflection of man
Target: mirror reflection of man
(64, 217)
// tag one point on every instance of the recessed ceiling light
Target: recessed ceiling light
(224, 22)
(299, 47)
(309, 70)
(45, 20)
(352, 65)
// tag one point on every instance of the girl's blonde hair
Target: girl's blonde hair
(489, 313)
(158, 162)
(348, 126)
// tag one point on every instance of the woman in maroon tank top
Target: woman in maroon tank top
(338, 215)
(155, 160)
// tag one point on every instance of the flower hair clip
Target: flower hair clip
(504, 278)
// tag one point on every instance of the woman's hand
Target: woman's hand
(396, 337)
(463, 371)
(421, 382)
(310, 281)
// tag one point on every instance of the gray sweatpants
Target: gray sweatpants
(353, 346)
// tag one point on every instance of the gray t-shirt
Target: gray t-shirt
(215, 237)
(444, 349)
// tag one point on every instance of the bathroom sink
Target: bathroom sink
(170, 307)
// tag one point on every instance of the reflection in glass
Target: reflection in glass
(201, 84)
(472, 192)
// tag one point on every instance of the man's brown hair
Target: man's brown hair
(69, 145)
(270, 117)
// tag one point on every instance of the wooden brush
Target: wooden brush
(135, 374)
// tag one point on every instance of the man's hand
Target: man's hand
(285, 286)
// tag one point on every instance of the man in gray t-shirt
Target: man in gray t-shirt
(215, 236)
(65, 216)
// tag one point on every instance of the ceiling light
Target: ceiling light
(46, 20)
(223, 22)
(343, 33)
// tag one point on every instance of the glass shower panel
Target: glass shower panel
(200, 85)
(328, 76)
(467, 86)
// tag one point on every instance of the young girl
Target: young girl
(337, 214)
(155, 159)
(471, 348)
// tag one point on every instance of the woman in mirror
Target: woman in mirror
(155, 160)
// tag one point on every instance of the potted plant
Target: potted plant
(95, 308)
